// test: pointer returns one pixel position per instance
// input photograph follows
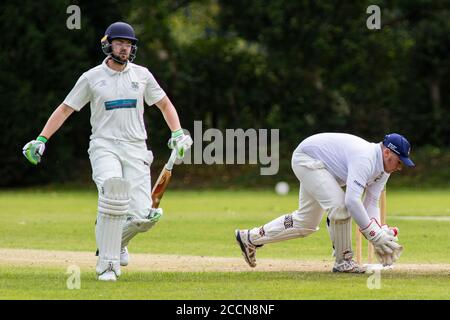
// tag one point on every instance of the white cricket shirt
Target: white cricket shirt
(354, 162)
(116, 99)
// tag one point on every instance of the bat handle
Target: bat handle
(172, 159)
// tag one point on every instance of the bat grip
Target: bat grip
(172, 159)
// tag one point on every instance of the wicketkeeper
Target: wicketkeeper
(116, 90)
(324, 163)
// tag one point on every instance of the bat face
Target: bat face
(163, 180)
(160, 187)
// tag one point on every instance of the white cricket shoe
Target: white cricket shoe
(248, 249)
(348, 266)
(107, 276)
(124, 257)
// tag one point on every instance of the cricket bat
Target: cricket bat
(163, 180)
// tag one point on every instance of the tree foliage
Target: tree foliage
(300, 66)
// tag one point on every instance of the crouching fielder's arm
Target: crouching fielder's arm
(34, 149)
(384, 241)
(178, 141)
(372, 197)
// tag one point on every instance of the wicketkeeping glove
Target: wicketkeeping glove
(384, 240)
(389, 259)
(391, 230)
(34, 150)
(180, 142)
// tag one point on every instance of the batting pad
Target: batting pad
(330, 231)
(133, 225)
(113, 205)
(342, 238)
(282, 228)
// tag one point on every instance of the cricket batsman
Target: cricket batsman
(116, 90)
(324, 163)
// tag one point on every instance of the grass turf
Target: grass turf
(202, 223)
(50, 283)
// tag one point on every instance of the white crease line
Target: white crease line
(421, 218)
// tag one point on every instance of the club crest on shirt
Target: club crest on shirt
(134, 85)
(101, 83)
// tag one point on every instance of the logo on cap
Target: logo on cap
(393, 147)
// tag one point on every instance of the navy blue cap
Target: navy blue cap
(400, 146)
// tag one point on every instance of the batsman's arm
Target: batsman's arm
(178, 141)
(34, 149)
(56, 120)
(169, 113)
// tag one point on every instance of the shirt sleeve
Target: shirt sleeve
(357, 178)
(80, 94)
(153, 92)
(372, 197)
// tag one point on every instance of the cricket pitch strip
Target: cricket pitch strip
(184, 263)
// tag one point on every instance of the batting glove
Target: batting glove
(34, 150)
(180, 142)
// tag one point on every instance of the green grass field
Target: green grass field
(202, 224)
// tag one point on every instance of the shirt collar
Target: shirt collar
(111, 71)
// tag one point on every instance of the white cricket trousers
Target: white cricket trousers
(319, 192)
(127, 160)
